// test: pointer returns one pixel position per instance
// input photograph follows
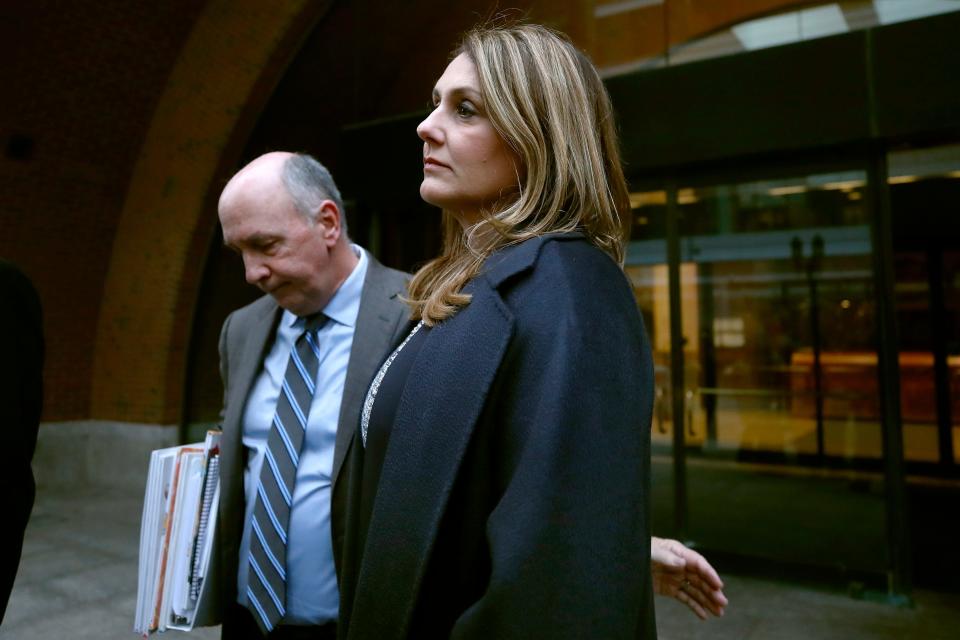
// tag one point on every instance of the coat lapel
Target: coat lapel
(435, 418)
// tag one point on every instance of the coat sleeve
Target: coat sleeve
(569, 417)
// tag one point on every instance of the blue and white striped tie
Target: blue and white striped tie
(267, 584)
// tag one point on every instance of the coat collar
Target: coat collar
(518, 258)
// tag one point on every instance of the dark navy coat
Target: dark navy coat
(513, 498)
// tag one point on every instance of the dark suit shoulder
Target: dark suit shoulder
(240, 321)
(256, 309)
(390, 281)
(382, 306)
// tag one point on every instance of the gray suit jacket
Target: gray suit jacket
(245, 339)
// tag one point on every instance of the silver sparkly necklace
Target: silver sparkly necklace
(375, 385)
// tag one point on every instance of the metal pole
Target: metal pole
(941, 372)
(813, 266)
(810, 266)
(888, 381)
(708, 351)
(677, 382)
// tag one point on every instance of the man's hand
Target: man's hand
(684, 574)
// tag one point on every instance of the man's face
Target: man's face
(283, 253)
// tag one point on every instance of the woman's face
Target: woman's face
(466, 164)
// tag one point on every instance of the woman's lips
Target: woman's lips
(431, 163)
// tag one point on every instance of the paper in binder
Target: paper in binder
(177, 581)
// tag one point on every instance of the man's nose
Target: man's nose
(255, 270)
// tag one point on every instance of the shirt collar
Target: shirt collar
(344, 306)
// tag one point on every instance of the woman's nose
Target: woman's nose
(428, 129)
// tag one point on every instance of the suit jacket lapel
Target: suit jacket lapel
(373, 337)
(435, 419)
(254, 338)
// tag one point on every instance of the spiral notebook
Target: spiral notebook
(176, 586)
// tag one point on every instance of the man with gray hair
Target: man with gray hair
(295, 365)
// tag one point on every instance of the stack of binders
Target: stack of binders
(177, 581)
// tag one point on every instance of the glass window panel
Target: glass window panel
(779, 332)
(924, 192)
(646, 268)
(951, 297)
(918, 408)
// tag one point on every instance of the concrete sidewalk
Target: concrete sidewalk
(78, 579)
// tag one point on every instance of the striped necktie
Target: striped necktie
(266, 590)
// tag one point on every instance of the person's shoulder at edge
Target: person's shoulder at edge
(12, 277)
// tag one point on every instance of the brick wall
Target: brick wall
(79, 92)
(236, 51)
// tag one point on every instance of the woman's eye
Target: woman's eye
(465, 110)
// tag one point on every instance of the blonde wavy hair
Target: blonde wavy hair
(547, 102)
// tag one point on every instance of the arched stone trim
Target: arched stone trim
(229, 65)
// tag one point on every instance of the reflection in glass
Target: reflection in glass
(646, 269)
(924, 193)
(779, 319)
(779, 346)
(951, 321)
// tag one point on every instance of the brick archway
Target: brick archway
(234, 56)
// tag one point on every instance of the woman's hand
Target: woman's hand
(684, 574)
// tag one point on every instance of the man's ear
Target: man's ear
(328, 217)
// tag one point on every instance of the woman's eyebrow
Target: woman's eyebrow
(464, 90)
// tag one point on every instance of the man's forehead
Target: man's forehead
(251, 222)
(255, 198)
(262, 177)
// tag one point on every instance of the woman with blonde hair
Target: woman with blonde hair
(500, 477)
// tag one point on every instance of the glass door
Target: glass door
(951, 320)
(781, 424)
(925, 201)
(646, 268)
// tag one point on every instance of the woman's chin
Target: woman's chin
(431, 195)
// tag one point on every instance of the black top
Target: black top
(378, 431)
